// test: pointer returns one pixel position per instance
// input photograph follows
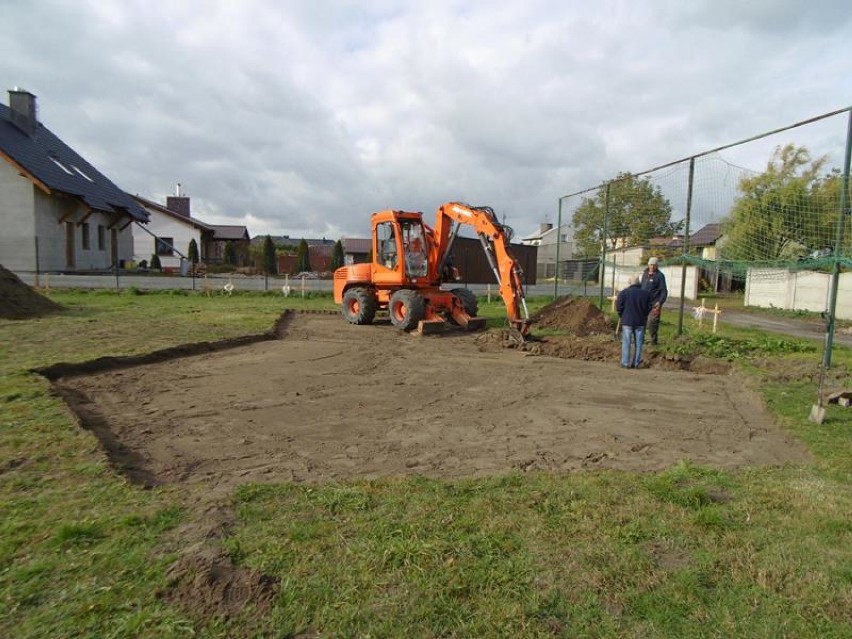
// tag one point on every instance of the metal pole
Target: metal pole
(603, 244)
(37, 273)
(685, 245)
(842, 220)
(558, 237)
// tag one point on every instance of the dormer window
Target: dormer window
(83, 175)
(60, 165)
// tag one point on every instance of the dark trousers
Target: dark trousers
(654, 325)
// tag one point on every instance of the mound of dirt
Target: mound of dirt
(574, 314)
(206, 584)
(19, 301)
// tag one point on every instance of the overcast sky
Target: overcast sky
(303, 117)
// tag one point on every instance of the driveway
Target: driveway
(809, 329)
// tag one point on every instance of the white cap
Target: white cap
(653, 260)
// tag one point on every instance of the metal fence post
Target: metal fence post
(37, 269)
(602, 273)
(685, 250)
(842, 220)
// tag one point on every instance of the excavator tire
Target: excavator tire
(468, 300)
(406, 308)
(359, 305)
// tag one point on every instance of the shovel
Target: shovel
(818, 410)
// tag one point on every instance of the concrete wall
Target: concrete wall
(17, 220)
(618, 277)
(797, 291)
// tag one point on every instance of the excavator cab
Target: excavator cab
(401, 251)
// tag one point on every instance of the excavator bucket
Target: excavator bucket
(475, 324)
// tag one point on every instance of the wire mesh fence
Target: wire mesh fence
(768, 216)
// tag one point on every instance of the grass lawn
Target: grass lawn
(688, 552)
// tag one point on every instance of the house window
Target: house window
(101, 237)
(164, 246)
(86, 242)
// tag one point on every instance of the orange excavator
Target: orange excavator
(411, 261)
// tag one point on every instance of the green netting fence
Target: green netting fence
(768, 216)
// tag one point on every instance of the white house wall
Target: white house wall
(163, 225)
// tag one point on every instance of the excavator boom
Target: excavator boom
(495, 238)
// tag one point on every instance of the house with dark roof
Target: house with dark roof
(57, 211)
(169, 232)
(171, 229)
(356, 250)
(705, 239)
(235, 235)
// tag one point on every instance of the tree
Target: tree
(303, 257)
(787, 212)
(155, 262)
(269, 260)
(337, 255)
(637, 212)
(192, 252)
(229, 255)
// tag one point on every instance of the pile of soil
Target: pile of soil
(574, 314)
(19, 301)
(207, 584)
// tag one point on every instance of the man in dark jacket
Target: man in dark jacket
(633, 305)
(655, 282)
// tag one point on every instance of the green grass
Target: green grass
(688, 552)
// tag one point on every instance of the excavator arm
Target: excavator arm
(495, 238)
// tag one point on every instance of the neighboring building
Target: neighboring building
(319, 256)
(705, 239)
(224, 234)
(57, 211)
(169, 231)
(546, 239)
(356, 250)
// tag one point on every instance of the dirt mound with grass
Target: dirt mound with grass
(207, 584)
(20, 301)
(576, 315)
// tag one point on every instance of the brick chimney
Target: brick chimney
(544, 228)
(178, 203)
(23, 106)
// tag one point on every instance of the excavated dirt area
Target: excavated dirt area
(333, 401)
(318, 400)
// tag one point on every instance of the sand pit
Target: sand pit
(332, 401)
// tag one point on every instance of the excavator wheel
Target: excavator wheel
(406, 308)
(359, 305)
(468, 300)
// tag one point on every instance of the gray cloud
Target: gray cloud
(302, 118)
